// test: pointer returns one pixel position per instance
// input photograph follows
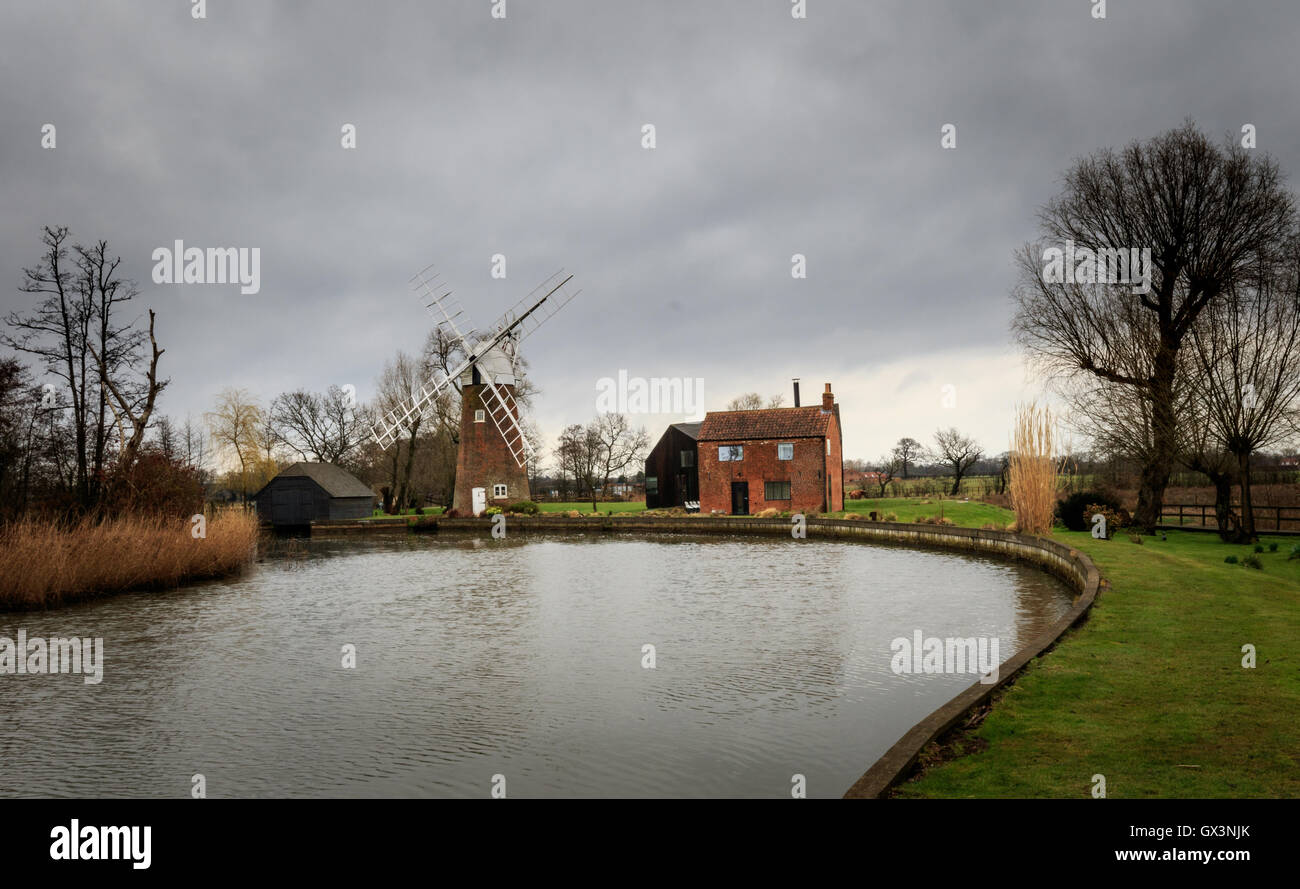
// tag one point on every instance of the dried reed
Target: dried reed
(1032, 473)
(44, 564)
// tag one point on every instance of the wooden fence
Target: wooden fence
(1282, 519)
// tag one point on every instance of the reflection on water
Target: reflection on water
(522, 658)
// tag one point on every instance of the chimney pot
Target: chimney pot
(796, 391)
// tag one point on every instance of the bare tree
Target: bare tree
(752, 401)
(617, 445)
(960, 452)
(886, 468)
(234, 424)
(1205, 213)
(327, 427)
(908, 451)
(1247, 351)
(131, 407)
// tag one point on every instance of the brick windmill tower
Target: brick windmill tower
(492, 460)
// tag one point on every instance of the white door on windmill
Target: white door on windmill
(480, 500)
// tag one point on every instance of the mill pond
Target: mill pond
(525, 658)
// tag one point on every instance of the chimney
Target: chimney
(828, 400)
(796, 391)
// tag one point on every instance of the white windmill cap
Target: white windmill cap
(497, 361)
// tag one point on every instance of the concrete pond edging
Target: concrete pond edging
(897, 763)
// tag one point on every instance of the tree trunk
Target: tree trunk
(1247, 507)
(1159, 465)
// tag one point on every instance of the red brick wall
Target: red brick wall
(807, 474)
(835, 464)
(483, 458)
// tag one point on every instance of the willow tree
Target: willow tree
(1204, 212)
(1247, 352)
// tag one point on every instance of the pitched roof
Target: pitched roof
(777, 422)
(691, 429)
(336, 482)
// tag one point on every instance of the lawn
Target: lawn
(614, 506)
(582, 507)
(380, 514)
(1151, 692)
(971, 513)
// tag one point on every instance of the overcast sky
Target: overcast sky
(523, 136)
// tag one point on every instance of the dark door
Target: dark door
(740, 498)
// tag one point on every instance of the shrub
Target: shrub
(419, 510)
(1272, 547)
(771, 511)
(525, 507)
(1076, 511)
(1253, 561)
(1231, 560)
(1295, 552)
(890, 517)
(1136, 538)
(1115, 519)
(451, 514)
(492, 510)
(1259, 547)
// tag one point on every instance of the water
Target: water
(520, 658)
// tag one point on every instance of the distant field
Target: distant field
(908, 509)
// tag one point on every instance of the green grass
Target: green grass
(380, 514)
(580, 506)
(1150, 692)
(972, 514)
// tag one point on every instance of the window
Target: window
(688, 459)
(730, 453)
(499, 492)
(785, 452)
(651, 484)
(776, 490)
(828, 447)
(479, 416)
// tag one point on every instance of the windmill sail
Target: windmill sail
(521, 320)
(500, 405)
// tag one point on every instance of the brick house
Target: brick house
(787, 458)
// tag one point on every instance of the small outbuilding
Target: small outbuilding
(671, 476)
(311, 492)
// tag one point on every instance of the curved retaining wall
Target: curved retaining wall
(1069, 564)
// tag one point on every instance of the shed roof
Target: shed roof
(777, 422)
(334, 480)
(691, 429)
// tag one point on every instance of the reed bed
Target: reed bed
(1032, 472)
(44, 564)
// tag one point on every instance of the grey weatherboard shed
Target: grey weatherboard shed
(311, 492)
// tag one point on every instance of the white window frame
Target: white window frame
(785, 445)
(498, 492)
(480, 415)
(731, 453)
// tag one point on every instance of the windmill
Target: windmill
(492, 460)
